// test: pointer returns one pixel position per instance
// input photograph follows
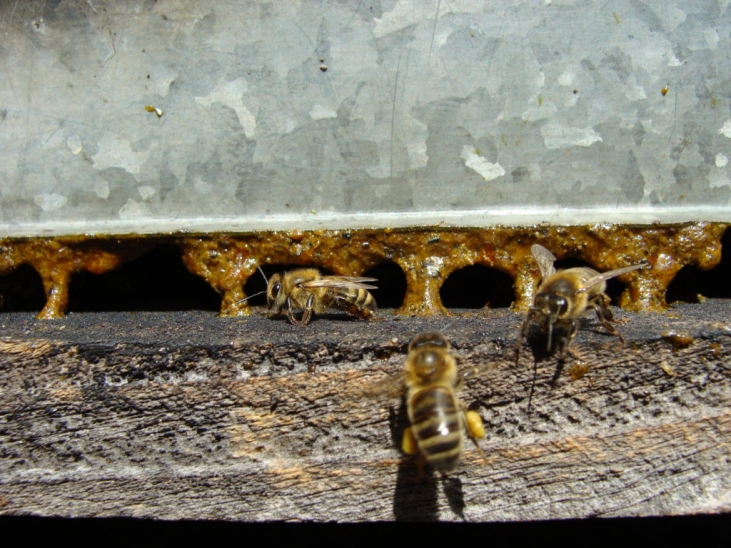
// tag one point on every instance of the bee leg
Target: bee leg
(409, 446)
(290, 314)
(522, 335)
(353, 309)
(569, 337)
(601, 306)
(575, 354)
(475, 430)
(474, 424)
(345, 306)
(307, 314)
(408, 442)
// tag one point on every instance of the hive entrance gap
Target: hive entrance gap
(476, 286)
(22, 290)
(156, 281)
(691, 281)
(391, 284)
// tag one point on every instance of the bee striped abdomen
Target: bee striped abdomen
(435, 423)
(365, 300)
(357, 302)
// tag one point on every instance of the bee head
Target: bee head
(274, 291)
(427, 351)
(552, 306)
(426, 362)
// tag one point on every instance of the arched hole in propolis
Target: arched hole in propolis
(691, 283)
(22, 290)
(56, 258)
(391, 284)
(476, 286)
(155, 281)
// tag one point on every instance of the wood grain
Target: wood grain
(189, 416)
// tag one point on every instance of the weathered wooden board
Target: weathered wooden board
(189, 416)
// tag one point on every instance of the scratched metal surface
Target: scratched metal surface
(226, 115)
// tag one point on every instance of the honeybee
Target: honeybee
(564, 295)
(438, 418)
(308, 290)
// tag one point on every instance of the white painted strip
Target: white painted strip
(344, 221)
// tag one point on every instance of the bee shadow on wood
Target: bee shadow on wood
(416, 494)
(535, 340)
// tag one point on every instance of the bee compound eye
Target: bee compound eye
(541, 302)
(556, 306)
(276, 289)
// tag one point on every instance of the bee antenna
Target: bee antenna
(550, 334)
(260, 292)
(250, 297)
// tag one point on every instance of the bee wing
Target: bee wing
(477, 370)
(388, 388)
(545, 260)
(470, 372)
(604, 276)
(343, 282)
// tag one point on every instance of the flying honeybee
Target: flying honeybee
(308, 290)
(564, 295)
(438, 418)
